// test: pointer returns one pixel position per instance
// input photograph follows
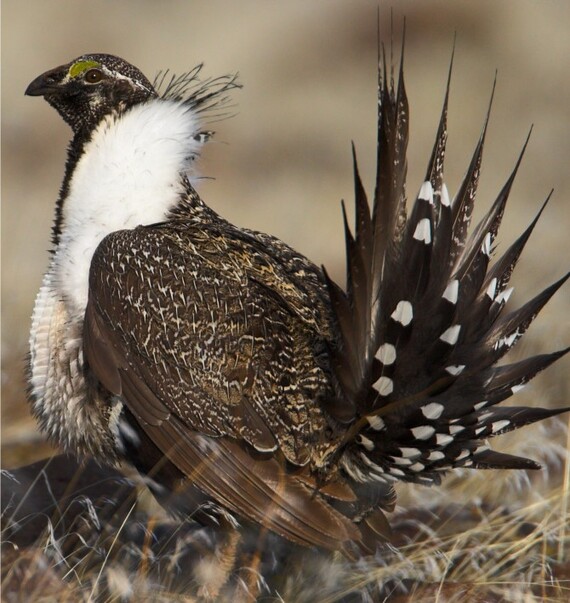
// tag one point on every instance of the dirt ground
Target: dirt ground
(282, 163)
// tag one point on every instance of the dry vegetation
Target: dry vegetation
(104, 541)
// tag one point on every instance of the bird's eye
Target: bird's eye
(93, 76)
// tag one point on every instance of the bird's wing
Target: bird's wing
(216, 332)
(217, 367)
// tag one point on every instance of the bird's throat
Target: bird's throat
(130, 172)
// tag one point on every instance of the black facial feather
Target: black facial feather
(90, 87)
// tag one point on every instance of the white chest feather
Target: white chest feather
(129, 174)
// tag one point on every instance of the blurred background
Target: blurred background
(282, 163)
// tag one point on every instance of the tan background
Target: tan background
(282, 163)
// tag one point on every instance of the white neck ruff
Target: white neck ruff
(129, 175)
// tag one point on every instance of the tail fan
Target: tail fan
(422, 322)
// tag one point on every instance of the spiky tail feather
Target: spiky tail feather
(422, 321)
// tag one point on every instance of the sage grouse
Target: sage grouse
(233, 372)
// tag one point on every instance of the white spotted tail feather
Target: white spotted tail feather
(423, 322)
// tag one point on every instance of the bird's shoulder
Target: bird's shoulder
(219, 257)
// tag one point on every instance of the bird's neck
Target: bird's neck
(74, 152)
(131, 171)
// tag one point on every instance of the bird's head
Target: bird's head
(91, 87)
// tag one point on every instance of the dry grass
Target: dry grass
(108, 544)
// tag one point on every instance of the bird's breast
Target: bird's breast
(67, 408)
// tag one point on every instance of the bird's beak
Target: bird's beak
(47, 83)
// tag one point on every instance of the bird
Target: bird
(248, 387)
